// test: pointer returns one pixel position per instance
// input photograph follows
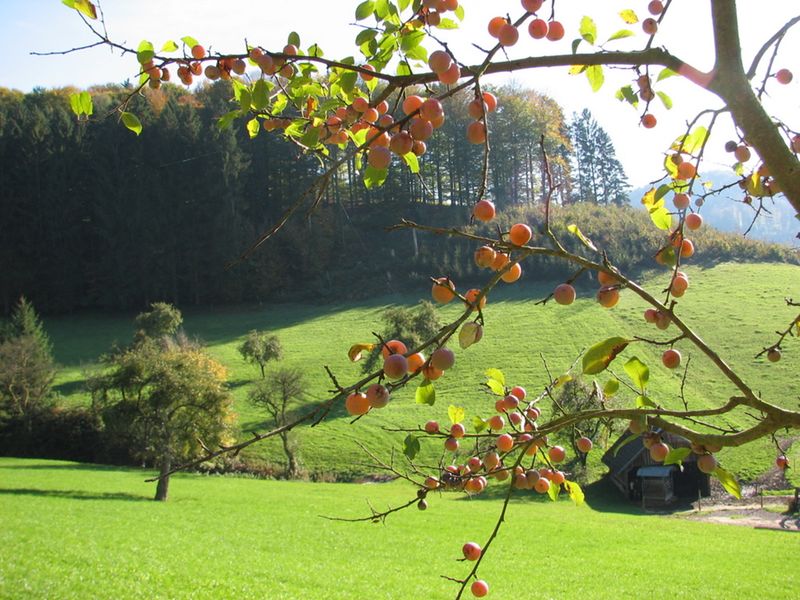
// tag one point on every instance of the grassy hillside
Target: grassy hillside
(735, 307)
(77, 531)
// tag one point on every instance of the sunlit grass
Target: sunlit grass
(74, 531)
(736, 308)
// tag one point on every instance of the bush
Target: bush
(61, 433)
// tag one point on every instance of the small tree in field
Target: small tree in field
(411, 325)
(27, 368)
(281, 394)
(379, 109)
(162, 319)
(260, 347)
(168, 397)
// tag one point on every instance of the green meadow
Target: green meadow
(735, 308)
(77, 531)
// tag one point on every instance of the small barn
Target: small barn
(650, 483)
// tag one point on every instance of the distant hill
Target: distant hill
(727, 212)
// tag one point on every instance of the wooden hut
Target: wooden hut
(652, 484)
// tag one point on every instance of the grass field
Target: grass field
(734, 307)
(75, 531)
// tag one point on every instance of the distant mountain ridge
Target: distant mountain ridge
(726, 212)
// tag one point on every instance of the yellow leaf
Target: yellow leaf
(650, 197)
(356, 350)
(629, 16)
(562, 380)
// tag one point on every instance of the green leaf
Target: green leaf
(611, 387)
(456, 414)
(561, 380)
(660, 216)
(403, 4)
(426, 393)
(665, 100)
(190, 41)
(411, 40)
(131, 121)
(496, 374)
(668, 256)
(497, 388)
(410, 446)
(144, 52)
(418, 53)
(575, 492)
(403, 68)
(621, 34)
(316, 51)
(447, 24)
(629, 16)
(676, 456)
(86, 104)
(663, 190)
(664, 73)
(245, 100)
(479, 424)
(460, 12)
(310, 137)
(588, 30)
(595, 76)
(599, 356)
(626, 93)
(374, 177)
(279, 104)
(573, 229)
(553, 491)
(293, 39)
(260, 95)
(83, 6)
(638, 372)
(365, 35)
(692, 142)
(253, 127)
(412, 161)
(169, 46)
(644, 401)
(364, 10)
(358, 138)
(729, 482)
(225, 120)
(75, 104)
(81, 103)
(469, 334)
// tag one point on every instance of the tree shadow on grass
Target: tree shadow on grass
(74, 494)
(65, 467)
(601, 496)
(232, 385)
(70, 387)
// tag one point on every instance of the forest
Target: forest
(96, 218)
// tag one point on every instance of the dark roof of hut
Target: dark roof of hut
(625, 450)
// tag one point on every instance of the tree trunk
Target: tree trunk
(162, 488)
(293, 469)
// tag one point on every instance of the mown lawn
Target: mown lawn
(734, 307)
(81, 531)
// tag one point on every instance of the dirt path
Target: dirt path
(748, 515)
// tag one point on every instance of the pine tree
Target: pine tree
(599, 176)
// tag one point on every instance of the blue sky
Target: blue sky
(47, 25)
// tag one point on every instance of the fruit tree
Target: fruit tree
(381, 104)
